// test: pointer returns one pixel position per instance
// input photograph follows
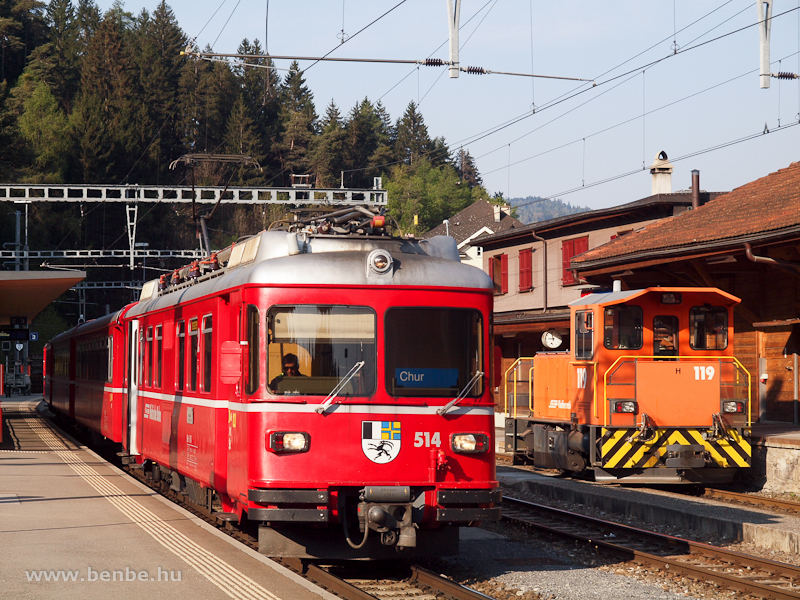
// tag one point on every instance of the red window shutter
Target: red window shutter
(525, 270)
(504, 273)
(567, 252)
(581, 245)
(494, 273)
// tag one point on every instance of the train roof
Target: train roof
(611, 298)
(280, 258)
(101, 323)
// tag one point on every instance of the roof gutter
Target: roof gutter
(767, 260)
(668, 254)
(544, 269)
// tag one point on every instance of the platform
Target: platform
(709, 520)
(72, 526)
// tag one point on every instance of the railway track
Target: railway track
(753, 500)
(748, 574)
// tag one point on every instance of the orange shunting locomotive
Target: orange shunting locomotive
(649, 391)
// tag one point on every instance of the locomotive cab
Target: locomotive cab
(650, 391)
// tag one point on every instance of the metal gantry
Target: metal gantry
(131, 194)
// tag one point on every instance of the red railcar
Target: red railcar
(382, 444)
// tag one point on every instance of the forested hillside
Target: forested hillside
(108, 98)
(534, 209)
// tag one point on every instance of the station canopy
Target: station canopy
(27, 293)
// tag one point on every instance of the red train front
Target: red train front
(329, 390)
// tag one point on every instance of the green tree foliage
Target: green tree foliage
(429, 192)
(43, 125)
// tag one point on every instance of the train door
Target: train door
(133, 389)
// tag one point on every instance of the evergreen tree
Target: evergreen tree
(467, 171)
(158, 44)
(107, 83)
(298, 119)
(242, 138)
(261, 89)
(207, 93)
(327, 157)
(412, 140)
(62, 51)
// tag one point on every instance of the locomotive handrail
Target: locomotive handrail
(505, 384)
(635, 358)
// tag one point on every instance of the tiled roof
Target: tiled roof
(470, 220)
(757, 209)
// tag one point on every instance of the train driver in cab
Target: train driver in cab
(291, 368)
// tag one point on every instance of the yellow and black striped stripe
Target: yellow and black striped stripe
(619, 453)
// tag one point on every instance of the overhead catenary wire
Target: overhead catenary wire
(616, 125)
(673, 160)
(563, 98)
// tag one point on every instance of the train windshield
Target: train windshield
(433, 352)
(312, 348)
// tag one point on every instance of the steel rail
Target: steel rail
(753, 500)
(750, 574)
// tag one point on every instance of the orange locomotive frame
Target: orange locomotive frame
(649, 390)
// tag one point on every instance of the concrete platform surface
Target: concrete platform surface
(707, 518)
(73, 526)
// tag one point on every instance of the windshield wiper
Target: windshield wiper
(470, 384)
(339, 386)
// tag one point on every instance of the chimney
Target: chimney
(695, 189)
(497, 212)
(661, 170)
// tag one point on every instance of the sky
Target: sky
(589, 144)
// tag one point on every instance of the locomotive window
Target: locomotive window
(149, 356)
(194, 341)
(312, 348)
(622, 327)
(665, 336)
(433, 352)
(159, 355)
(584, 334)
(253, 349)
(207, 371)
(180, 367)
(708, 328)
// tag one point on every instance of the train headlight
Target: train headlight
(470, 443)
(379, 261)
(625, 406)
(731, 406)
(288, 441)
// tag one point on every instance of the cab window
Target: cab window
(708, 328)
(665, 335)
(584, 334)
(622, 327)
(313, 349)
(434, 352)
